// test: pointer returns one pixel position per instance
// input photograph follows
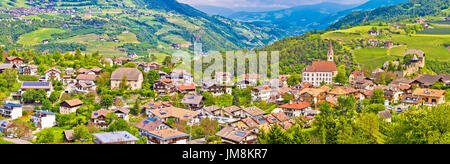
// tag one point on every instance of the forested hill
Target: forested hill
(410, 9)
(123, 26)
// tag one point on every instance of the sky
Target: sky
(264, 3)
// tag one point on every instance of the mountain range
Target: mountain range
(297, 20)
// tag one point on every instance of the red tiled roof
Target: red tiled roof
(321, 66)
(296, 105)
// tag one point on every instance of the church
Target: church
(321, 71)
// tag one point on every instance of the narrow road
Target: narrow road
(16, 141)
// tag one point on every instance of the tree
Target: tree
(136, 110)
(106, 101)
(341, 77)
(377, 97)
(294, 79)
(54, 96)
(374, 108)
(275, 135)
(118, 125)
(46, 105)
(130, 65)
(81, 132)
(123, 83)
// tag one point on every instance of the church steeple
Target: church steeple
(330, 55)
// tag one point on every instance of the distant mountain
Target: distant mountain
(296, 20)
(215, 10)
(300, 19)
(152, 24)
(410, 9)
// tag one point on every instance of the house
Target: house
(43, 119)
(68, 135)
(363, 84)
(194, 102)
(30, 70)
(426, 81)
(84, 87)
(385, 115)
(4, 125)
(165, 86)
(4, 66)
(108, 61)
(132, 76)
(230, 112)
(53, 73)
(157, 105)
(430, 97)
(209, 110)
(252, 112)
(320, 71)
(70, 106)
(166, 136)
(178, 114)
(120, 137)
(312, 95)
(181, 76)
(243, 84)
(98, 118)
(246, 124)
(252, 78)
(132, 55)
(216, 89)
(121, 60)
(410, 100)
(373, 42)
(231, 135)
(150, 66)
(294, 109)
(342, 91)
(150, 124)
(374, 32)
(377, 72)
(388, 44)
(283, 80)
(356, 75)
(122, 113)
(93, 71)
(187, 88)
(17, 61)
(37, 85)
(261, 93)
(302, 85)
(11, 110)
(224, 78)
(45, 41)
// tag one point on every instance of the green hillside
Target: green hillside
(116, 27)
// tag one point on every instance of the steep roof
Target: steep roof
(254, 111)
(73, 102)
(233, 134)
(86, 77)
(165, 134)
(101, 112)
(132, 74)
(321, 66)
(192, 99)
(149, 124)
(180, 113)
(429, 92)
(295, 105)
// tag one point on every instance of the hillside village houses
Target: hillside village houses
(238, 124)
(132, 76)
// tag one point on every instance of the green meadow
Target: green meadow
(36, 37)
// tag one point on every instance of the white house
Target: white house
(44, 119)
(11, 110)
(53, 73)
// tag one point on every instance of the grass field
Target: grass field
(372, 57)
(432, 45)
(37, 36)
(127, 38)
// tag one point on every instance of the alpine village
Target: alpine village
(102, 72)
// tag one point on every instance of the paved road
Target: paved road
(16, 141)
